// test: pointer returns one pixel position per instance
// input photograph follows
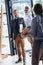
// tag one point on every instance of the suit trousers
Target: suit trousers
(20, 46)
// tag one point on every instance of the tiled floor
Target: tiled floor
(11, 61)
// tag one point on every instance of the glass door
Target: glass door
(5, 36)
(20, 5)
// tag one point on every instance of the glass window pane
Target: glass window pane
(38, 1)
(5, 38)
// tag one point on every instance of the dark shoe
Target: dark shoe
(24, 62)
(19, 60)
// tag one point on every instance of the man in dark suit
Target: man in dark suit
(17, 26)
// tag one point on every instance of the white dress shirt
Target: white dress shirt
(28, 20)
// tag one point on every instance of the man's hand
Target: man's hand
(10, 39)
(22, 36)
(25, 31)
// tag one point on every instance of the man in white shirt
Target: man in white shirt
(27, 17)
(28, 21)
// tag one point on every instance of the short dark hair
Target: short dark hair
(15, 10)
(38, 9)
(26, 7)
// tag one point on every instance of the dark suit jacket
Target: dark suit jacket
(15, 26)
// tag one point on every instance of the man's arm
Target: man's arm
(24, 26)
(11, 34)
(25, 29)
